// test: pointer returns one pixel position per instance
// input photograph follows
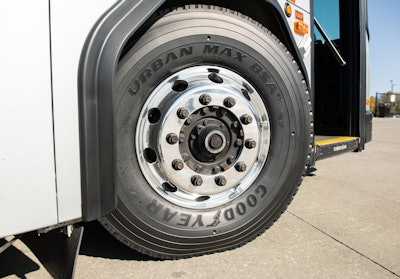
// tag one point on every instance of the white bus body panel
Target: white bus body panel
(71, 22)
(40, 182)
(27, 177)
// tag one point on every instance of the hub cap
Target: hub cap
(202, 137)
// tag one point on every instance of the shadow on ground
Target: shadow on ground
(15, 262)
(97, 242)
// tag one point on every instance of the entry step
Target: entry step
(328, 146)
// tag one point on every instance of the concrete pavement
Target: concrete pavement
(343, 223)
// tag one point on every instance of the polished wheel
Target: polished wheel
(210, 138)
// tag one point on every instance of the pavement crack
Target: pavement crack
(344, 244)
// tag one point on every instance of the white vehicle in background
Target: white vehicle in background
(184, 126)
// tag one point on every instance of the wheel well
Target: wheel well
(263, 11)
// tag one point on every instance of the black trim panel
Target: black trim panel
(96, 76)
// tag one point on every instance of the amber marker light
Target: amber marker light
(288, 10)
(300, 27)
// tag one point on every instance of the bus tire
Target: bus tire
(212, 134)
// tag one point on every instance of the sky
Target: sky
(384, 22)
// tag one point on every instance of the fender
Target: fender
(96, 86)
(96, 77)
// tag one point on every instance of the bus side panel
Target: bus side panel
(27, 176)
(71, 23)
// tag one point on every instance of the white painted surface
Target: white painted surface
(302, 6)
(30, 198)
(27, 178)
(71, 22)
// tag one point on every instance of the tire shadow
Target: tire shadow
(98, 242)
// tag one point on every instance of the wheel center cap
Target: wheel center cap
(215, 142)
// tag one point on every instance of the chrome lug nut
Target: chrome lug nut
(205, 99)
(183, 113)
(246, 119)
(177, 164)
(172, 138)
(250, 143)
(220, 180)
(229, 102)
(196, 180)
(241, 167)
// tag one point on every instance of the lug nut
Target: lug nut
(172, 138)
(205, 110)
(197, 180)
(241, 167)
(229, 102)
(177, 164)
(230, 160)
(205, 99)
(250, 144)
(246, 119)
(238, 142)
(216, 169)
(235, 125)
(181, 137)
(183, 113)
(188, 121)
(198, 168)
(220, 180)
(185, 157)
(222, 112)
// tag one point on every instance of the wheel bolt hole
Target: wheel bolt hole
(246, 94)
(214, 77)
(154, 115)
(202, 198)
(149, 155)
(180, 85)
(169, 187)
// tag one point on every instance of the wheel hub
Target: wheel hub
(208, 141)
(202, 137)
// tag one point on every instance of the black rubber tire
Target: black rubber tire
(150, 224)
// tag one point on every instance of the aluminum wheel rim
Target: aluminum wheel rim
(202, 137)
